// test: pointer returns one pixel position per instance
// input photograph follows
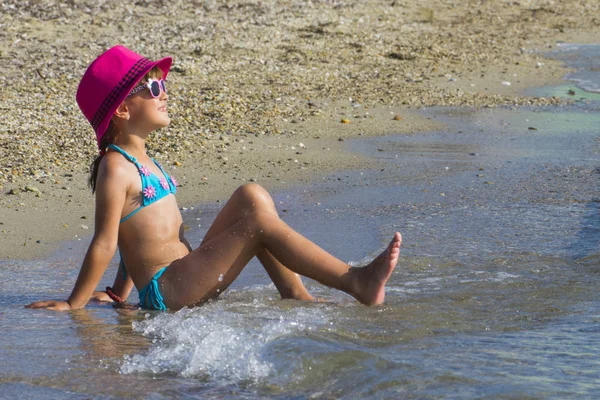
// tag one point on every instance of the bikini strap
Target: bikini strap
(160, 167)
(125, 154)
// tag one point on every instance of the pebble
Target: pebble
(31, 189)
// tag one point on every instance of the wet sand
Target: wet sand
(245, 109)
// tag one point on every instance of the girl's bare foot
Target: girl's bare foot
(371, 280)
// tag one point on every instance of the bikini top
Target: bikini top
(154, 188)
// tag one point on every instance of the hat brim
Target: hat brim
(165, 66)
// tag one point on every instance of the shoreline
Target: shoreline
(276, 162)
(51, 208)
(220, 173)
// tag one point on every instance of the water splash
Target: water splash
(221, 341)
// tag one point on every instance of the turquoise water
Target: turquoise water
(496, 294)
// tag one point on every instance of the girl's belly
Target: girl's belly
(151, 240)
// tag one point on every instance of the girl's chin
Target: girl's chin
(164, 122)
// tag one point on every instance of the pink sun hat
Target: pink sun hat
(107, 82)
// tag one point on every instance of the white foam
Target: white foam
(222, 341)
(586, 85)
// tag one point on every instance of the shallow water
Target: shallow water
(496, 294)
(583, 82)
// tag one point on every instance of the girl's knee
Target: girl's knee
(260, 220)
(255, 196)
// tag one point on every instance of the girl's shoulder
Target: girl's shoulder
(115, 165)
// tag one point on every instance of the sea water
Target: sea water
(495, 295)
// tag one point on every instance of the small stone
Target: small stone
(532, 128)
(571, 92)
(177, 163)
(252, 179)
(345, 121)
(13, 191)
(340, 139)
(397, 118)
(506, 83)
(31, 189)
(83, 217)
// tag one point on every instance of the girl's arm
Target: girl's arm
(111, 191)
(121, 287)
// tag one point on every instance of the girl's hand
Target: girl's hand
(51, 305)
(101, 296)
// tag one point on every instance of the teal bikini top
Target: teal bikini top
(154, 188)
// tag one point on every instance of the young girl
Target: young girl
(124, 97)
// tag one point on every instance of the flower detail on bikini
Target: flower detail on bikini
(164, 183)
(149, 192)
(174, 181)
(144, 171)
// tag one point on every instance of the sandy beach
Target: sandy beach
(263, 91)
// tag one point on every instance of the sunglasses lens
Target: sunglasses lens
(164, 85)
(155, 88)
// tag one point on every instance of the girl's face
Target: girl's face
(148, 112)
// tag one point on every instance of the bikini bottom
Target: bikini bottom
(150, 296)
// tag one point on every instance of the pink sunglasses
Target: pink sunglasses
(155, 87)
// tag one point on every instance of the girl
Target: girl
(124, 97)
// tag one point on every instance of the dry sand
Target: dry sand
(258, 90)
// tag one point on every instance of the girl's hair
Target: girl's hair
(112, 133)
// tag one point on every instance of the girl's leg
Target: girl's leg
(244, 201)
(213, 266)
